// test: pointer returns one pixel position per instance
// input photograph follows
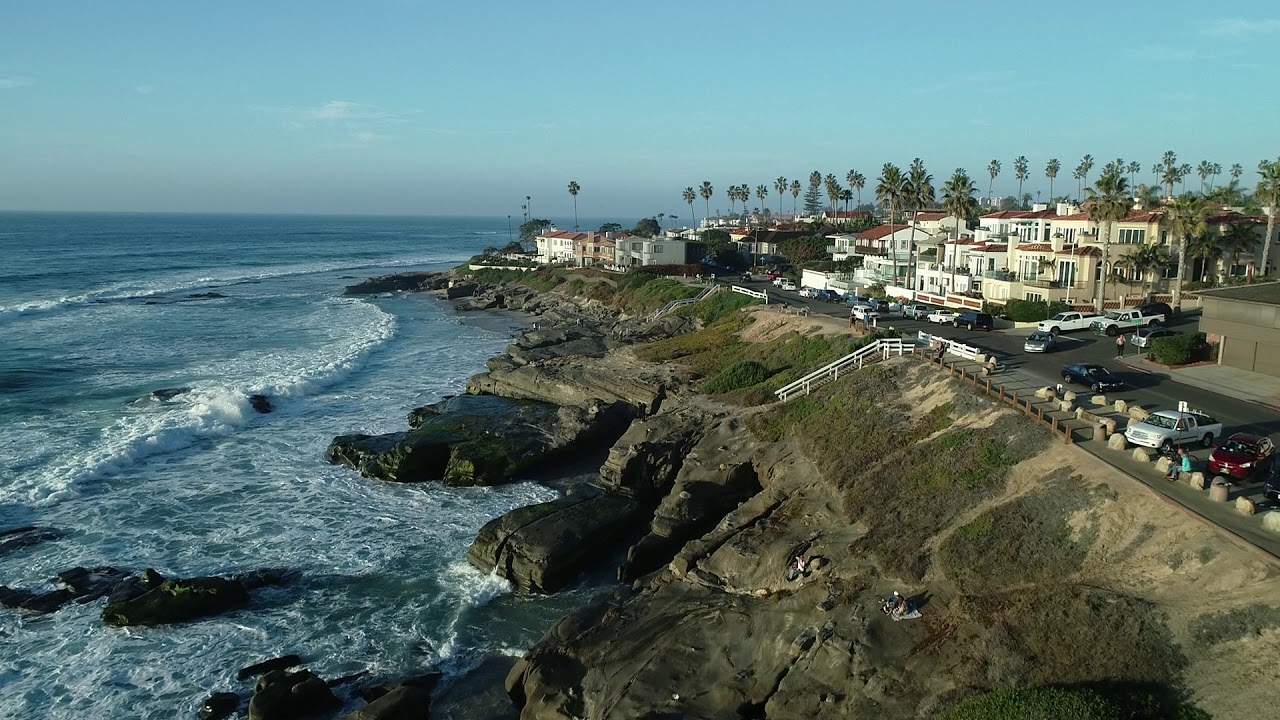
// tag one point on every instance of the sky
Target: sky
(426, 107)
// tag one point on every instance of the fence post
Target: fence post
(988, 387)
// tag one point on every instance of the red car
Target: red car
(1242, 456)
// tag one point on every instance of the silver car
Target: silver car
(1143, 338)
(1039, 342)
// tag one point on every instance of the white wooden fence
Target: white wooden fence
(968, 352)
(879, 349)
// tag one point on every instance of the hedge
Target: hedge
(740, 375)
(1073, 703)
(1180, 349)
(1032, 310)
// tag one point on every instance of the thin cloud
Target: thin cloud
(9, 82)
(145, 89)
(342, 113)
(1166, 53)
(1243, 27)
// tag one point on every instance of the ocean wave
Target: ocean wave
(124, 292)
(212, 409)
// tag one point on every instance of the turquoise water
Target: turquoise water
(95, 313)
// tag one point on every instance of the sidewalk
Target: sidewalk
(1220, 379)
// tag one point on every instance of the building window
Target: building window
(657, 248)
(1034, 297)
(1131, 236)
(637, 247)
(1170, 271)
(1066, 273)
(1069, 236)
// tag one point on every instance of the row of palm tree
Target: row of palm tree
(1168, 172)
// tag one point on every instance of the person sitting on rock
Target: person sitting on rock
(799, 568)
(896, 605)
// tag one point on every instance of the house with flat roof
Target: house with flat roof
(1244, 322)
(635, 251)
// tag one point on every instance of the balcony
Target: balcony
(1002, 275)
(833, 249)
(1053, 284)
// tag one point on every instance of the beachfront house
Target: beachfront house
(637, 251)
(557, 246)
(597, 248)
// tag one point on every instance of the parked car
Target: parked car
(1244, 456)
(1095, 377)
(828, 295)
(1144, 338)
(973, 321)
(747, 277)
(1067, 321)
(879, 304)
(1040, 342)
(916, 312)
(1168, 428)
(787, 285)
(1271, 489)
(1157, 308)
(864, 313)
(857, 299)
(808, 292)
(940, 316)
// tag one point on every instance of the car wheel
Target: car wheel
(1054, 331)
(1066, 379)
(1207, 440)
(955, 324)
(1113, 331)
(1096, 388)
(1166, 447)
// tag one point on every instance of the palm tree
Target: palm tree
(993, 169)
(1185, 217)
(1108, 202)
(815, 179)
(1267, 195)
(1209, 248)
(1169, 171)
(1086, 164)
(859, 182)
(1145, 259)
(1147, 197)
(706, 191)
(1078, 175)
(1239, 239)
(732, 192)
(1236, 171)
(574, 187)
(1020, 171)
(762, 192)
(1134, 168)
(833, 191)
(891, 189)
(1051, 172)
(689, 196)
(1204, 170)
(795, 194)
(781, 186)
(1184, 172)
(1217, 170)
(921, 194)
(958, 202)
(846, 196)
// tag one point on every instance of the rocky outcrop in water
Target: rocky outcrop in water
(478, 440)
(400, 282)
(79, 584)
(282, 695)
(152, 599)
(15, 539)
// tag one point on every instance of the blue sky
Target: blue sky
(430, 107)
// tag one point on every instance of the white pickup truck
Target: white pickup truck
(1168, 428)
(1067, 321)
(1118, 321)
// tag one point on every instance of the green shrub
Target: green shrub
(717, 306)
(1031, 310)
(1047, 703)
(738, 376)
(1180, 349)
(876, 290)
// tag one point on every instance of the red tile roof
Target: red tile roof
(1074, 216)
(1036, 247)
(988, 248)
(1081, 251)
(880, 231)
(564, 234)
(930, 216)
(847, 214)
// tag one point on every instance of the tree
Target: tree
(1209, 248)
(721, 248)
(1051, 172)
(1145, 259)
(762, 192)
(780, 185)
(813, 196)
(1147, 197)
(958, 202)
(846, 196)
(804, 248)
(1108, 201)
(1082, 170)
(892, 189)
(574, 187)
(1267, 194)
(1217, 170)
(993, 169)
(1168, 170)
(795, 193)
(921, 194)
(1185, 217)
(706, 191)
(732, 192)
(533, 228)
(833, 191)
(689, 196)
(610, 228)
(1135, 167)
(1184, 172)
(1236, 171)
(647, 227)
(1239, 239)
(1020, 167)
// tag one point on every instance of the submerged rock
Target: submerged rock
(279, 663)
(79, 584)
(24, 537)
(400, 282)
(261, 403)
(156, 600)
(167, 394)
(205, 296)
(405, 700)
(470, 440)
(219, 705)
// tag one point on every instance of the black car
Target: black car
(1271, 489)
(1157, 308)
(1096, 377)
(973, 321)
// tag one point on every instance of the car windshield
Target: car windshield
(1113, 316)
(1094, 371)
(1235, 446)
(1161, 421)
(1039, 337)
(1059, 316)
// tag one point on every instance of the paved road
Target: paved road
(1151, 390)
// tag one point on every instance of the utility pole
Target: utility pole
(510, 237)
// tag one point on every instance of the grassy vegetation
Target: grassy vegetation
(738, 376)
(1217, 628)
(1072, 703)
(717, 306)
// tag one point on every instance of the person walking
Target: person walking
(1120, 346)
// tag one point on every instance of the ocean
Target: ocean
(99, 310)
